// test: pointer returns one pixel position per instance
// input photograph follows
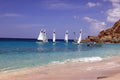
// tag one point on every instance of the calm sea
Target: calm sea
(17, 54)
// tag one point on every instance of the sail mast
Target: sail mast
(75, 37)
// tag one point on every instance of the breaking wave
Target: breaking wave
(86, 59)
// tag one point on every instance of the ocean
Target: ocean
(18, 54)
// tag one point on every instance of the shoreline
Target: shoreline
(99, 70)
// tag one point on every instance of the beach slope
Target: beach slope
(107, 69)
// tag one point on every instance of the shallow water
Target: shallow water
(16, 54)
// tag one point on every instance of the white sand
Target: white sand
(108, 69)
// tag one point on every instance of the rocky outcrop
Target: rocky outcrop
(111, 35)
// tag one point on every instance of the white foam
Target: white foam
(57, 62)
(91, 59)
(86, 59)
(6, 69)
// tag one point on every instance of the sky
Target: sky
(25, 18)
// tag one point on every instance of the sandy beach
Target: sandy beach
(107, 69)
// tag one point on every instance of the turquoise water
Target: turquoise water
(16, 54)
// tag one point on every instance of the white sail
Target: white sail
(45, 36)
(66, 36)
(40, 37)
(79, 39)
(54, 36)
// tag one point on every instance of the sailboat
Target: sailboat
(66, 36)
(79, 39)
(54, 36)
(45, 36)
(42, 36)
(75, 38)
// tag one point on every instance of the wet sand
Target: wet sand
(107, 69)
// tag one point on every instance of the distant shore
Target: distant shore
(107, 69)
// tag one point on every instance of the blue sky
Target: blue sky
(25, 18)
